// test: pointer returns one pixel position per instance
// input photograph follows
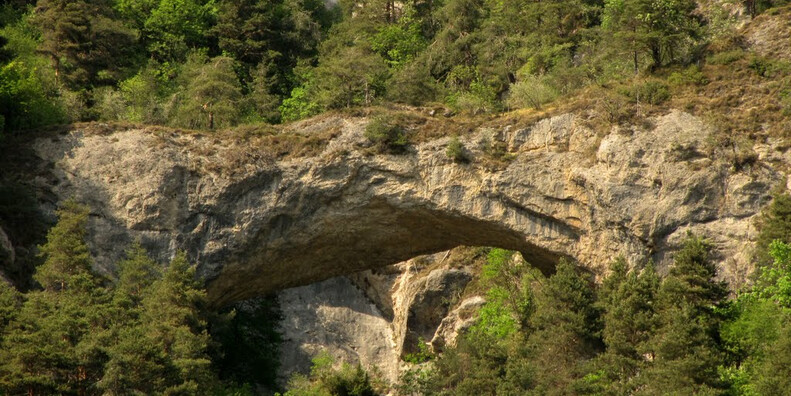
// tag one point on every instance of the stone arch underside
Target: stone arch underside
(345, 237)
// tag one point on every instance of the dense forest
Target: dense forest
(218, 64)
(213, 64)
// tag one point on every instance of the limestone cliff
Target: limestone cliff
(255, 223)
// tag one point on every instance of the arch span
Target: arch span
(255, 224)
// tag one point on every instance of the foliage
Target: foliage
(349, 76)
(174, 27)
(652, 92)
(24, 102)
(686, 346)
(325, 380)
(85, 42)
(298, 106)
(773, 224)
(146, 333)
(662, 30)
(689, 76)
(211, 94)
(627, 299)
(54, 340)
(530, 92)
(249, 340)
(456, 150)
(386, 134)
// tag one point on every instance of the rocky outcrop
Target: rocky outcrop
(336, 317)
(346, 316)
(255, 224)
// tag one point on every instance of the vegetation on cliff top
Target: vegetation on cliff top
(214, 64)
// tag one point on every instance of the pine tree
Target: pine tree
(772, 377)
(175, 27)
(774, 223)
(211, 94)
(660, 29)
(137, 273)
(565, 331)
(54, 343)
(627, 300)
(86, 43)
(10, 302)
(172, 321)
(133, 361)
(352, 76)
(68, 260)
(685, 348)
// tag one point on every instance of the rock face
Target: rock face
(336, 317)
(255, 225)
(377, 317)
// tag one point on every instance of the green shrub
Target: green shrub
(689, 76)
(479, 98)
(726, 57)
(456, 150)
(109, 104)
(422, 355)
(298, 106)
(386, 135)
(24, 100)
(531, 92)
(785, 101)
(762, 66)
(325, 380)
(652, 92)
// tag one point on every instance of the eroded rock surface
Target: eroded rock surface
(345, 316)
(255, 225)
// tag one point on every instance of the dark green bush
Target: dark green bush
(386, 135)
(689, 76)
(726, 57)
(456, 150)
(652, 92)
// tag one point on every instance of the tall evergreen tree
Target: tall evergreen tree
(659, 29)
(774, 223)
(685, 348)
(627, 299)
(172, 321)
(10, 303)
(211, 94)
(132, 359)
(175, 27)
(53, 344)
(85, 41)
(565, 330)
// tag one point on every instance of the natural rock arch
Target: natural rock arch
(255, 224)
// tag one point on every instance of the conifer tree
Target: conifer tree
(137, 273)
(133, 360)
(10, 302)
(627, 300)
(53, 343)
(211, 94)
(773, 375)
(172, 321)
(774, 223)
(565, 331)
(685, 347)
(86, 43)
(68, 260)
(659, 29)
(175, 27)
